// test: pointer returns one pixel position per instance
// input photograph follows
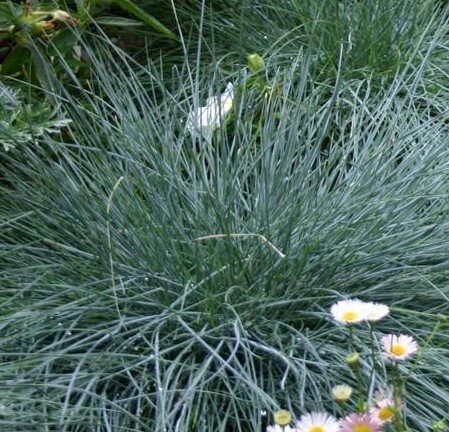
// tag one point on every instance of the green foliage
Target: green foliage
(32, 37)
(22, 122)
(356, 38)
(34, 34)
(101, 11)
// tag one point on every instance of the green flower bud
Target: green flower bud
(440, 426)
(282, 417)
(442, 318)
(255, 63)
(353, 359)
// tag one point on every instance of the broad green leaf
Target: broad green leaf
(10, 12)
(42, 69)
(65, 40)
(14, 61)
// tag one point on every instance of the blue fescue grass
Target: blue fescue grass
(116, 315)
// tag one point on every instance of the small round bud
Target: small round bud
(282, 417)
(442, 318)
(255, 63)
(341, 393)
(353, 359)
(440, 426)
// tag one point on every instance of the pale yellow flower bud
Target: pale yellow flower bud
(282, 417)
(353, 359)
(341, 393)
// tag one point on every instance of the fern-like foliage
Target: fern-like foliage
(23, 121)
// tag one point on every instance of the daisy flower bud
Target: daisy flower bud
(341, 393)
(255, 63)
(440, 426)
(282, 417)
(353, 359)
(442, 318)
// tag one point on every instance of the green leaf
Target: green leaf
(10, 12)
(145, 17)
(14, 61)
(65, 40)
(118, 21)
(42, 69)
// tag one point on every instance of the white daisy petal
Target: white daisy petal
(349, 311)
(376, 311)
(317, 422)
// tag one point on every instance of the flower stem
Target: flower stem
(357, 373)
(373, 354)
(397, 384)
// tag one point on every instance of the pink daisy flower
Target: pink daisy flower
(317, 422)
(398, 347)
(385, 408)
(384, 412)
(360, 423)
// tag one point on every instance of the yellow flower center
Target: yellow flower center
(350, 316)
(386, 413)
(398, 349)
(316, 428)
(362, 427)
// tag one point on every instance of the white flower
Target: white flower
(205, 120)
(349, 311)
(317, 422)
(398, 347)
(377, 311)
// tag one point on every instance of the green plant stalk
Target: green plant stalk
(373, 353)
(398, 393)
(423, 348)
(358, 375)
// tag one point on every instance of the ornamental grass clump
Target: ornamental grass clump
(155, 280)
